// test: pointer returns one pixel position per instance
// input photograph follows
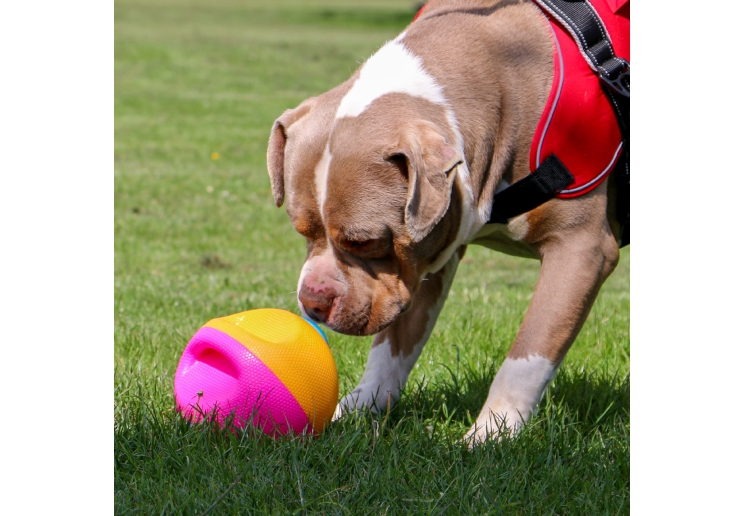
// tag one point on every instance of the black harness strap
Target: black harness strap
(585, 26)
(531, 191)
(590, 34)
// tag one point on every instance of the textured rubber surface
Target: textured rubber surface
(218, 375)
(269, 364)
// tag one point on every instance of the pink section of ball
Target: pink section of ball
(218, 375)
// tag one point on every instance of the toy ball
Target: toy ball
(266, 367)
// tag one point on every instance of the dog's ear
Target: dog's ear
(428, 160)
(277, 145)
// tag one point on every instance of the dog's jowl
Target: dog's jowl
(446, 137)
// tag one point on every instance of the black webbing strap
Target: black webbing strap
(590, 34)
(531, 191)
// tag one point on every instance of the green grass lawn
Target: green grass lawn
(198, 85)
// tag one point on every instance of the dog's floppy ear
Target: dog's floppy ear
(277, 144)
(430, 162)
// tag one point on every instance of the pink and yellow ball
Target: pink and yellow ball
(266, 367)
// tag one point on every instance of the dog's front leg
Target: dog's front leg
(573, 270)
(396, 349)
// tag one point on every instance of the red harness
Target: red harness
(578, 123)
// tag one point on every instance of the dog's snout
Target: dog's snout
(319, 288)
(317, 305)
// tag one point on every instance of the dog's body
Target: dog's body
(392, 174)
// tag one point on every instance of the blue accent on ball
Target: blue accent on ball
(317, 328)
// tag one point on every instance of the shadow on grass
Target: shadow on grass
(583, 399)
(573, 458)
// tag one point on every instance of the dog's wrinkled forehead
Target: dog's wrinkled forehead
(365, 196)
(338, 152)
(356, 177)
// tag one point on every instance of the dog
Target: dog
(392, 174)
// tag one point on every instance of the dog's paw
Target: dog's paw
(493, 428)
(359, 399)
(338, 413)
(345, 406)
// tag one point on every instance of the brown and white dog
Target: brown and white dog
(390, 175)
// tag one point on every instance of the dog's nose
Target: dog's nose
(317, 305)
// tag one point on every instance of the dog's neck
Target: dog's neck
(497, 105)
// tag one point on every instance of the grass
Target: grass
(197, 86)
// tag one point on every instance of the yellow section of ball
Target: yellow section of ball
(294, 351)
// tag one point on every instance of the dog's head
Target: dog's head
(372, 194)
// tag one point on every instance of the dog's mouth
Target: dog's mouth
(356, 322)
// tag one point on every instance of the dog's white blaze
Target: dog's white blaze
(396, 69)
(393, 69)
(321, 179)
(514, 394)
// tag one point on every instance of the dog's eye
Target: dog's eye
(371, 249)
(355, 245)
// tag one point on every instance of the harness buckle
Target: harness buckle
(621, 83)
